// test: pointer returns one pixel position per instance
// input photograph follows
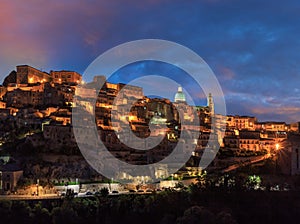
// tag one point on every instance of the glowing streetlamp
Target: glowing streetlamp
(37, 187)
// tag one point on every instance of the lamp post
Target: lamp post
(277, 147)
(110, 183)
(37, 187)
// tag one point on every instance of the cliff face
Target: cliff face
(11, 78)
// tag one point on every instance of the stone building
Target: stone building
(2, 104)
(294, 148)
(230, 140)
(272, 126)
(35, 87)
(62, 116)
(130, 90)
(295, 127)
(287, 155)
(249, 140)
(27, 74)
(19, 98)
(63, 76)
(10, 174)
(241, 122)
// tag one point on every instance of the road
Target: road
(55, 196)
(28, 197)
(246, 163)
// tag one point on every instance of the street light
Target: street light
(277, 146)
(37, 187)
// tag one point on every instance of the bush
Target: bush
(104, 192)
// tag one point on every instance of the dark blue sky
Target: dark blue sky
(253, 46)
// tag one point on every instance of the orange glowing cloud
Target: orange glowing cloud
(227, 73)
(33, 32)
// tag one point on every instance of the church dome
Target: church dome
(179, 96)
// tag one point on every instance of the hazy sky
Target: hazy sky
(253, 46)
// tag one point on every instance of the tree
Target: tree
(196, 215)
(5, 210)
(21, 212)
(64, 215)
(104, 192)
(40, 214)
(225, 218)
(24, 182)
(179, 185)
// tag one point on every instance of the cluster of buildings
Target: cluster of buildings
(246, 133)
(30, 87)
(36, 100)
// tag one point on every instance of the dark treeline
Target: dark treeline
(189, 206)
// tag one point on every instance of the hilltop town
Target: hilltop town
(38, 144)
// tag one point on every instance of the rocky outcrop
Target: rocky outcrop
(59, 167)
(11, 78)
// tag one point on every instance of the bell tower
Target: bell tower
(211, 105)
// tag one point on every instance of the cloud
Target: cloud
(226, 74)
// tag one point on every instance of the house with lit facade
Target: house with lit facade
(27, 74)
(272, 126)
(64, 76)
(249, 140)
(240, 122)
